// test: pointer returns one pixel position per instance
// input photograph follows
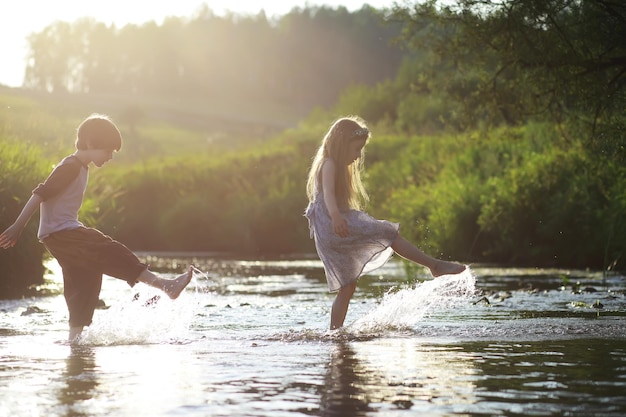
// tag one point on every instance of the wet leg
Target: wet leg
(437, 267)
(172, 287)
(340, 306)
(81, 289)
(75, 332)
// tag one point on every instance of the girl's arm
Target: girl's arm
(329, 171)
(9, 237)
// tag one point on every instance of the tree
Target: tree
(301, 60)
(537, 58)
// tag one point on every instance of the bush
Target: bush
(21, 168)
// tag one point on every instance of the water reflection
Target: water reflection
(390, 375)
(552, 377)
(344, 394)
(81, 376)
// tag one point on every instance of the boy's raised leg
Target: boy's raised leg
(172, 287)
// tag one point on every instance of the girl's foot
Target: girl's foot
(446, 268)
(176, 286)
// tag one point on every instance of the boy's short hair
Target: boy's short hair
(98, 132)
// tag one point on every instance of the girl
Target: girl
(349, 242)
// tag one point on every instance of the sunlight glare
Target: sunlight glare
(32, 16)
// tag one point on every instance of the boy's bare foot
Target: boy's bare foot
(446, 268)
(75, 333)
(176, 286)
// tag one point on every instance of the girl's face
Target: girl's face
(355, 149)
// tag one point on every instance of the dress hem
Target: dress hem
(368, 261)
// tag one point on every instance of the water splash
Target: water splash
(398, 312)
(147, 318)
(406, 307)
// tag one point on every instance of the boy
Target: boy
(85, 254)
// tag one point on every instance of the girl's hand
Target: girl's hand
(340, 226)
(9, 237)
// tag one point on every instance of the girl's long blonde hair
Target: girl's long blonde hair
(349, 190)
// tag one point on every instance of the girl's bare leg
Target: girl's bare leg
(340, 306)
(172, 287)
(437, 267)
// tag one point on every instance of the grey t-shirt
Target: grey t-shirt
(62, 195)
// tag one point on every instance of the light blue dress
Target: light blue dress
(345, 259)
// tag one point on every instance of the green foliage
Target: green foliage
(371, 103)
(30, 121)
(248, 202)
(432, 188)
(550, 59)
(532, 195)
(21, 267)
(553, 206)
(486, 148)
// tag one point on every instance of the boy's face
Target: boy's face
(101, 156)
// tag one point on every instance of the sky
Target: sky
(21, 17)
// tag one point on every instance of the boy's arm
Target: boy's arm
(57, 181)
(9, 237)
(329, 171)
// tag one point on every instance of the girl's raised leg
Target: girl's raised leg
(437, 267)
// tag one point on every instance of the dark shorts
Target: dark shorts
(86, 254)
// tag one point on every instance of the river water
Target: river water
(250, 338)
